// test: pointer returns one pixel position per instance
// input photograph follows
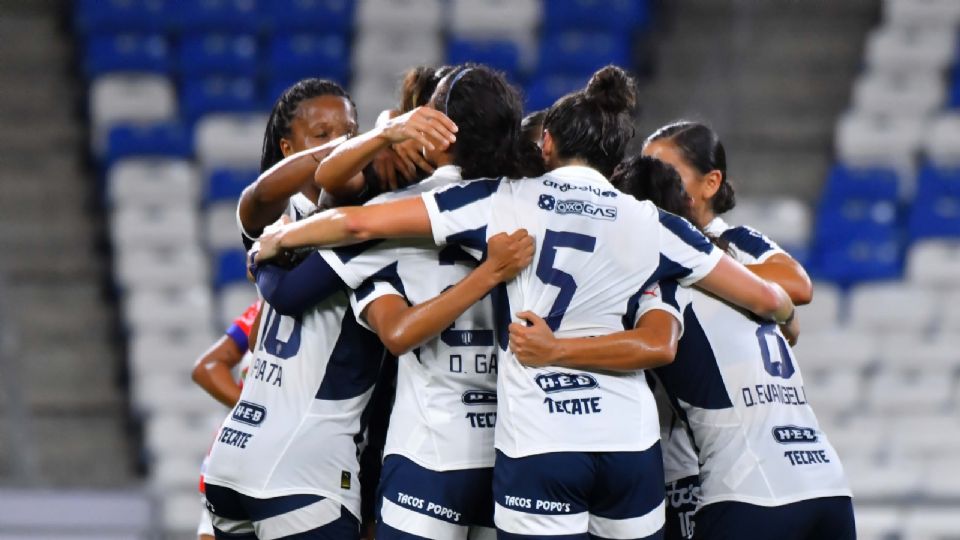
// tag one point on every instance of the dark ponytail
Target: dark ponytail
(701, 149)
(487, 111)
(418, 86)
(649, 179)
(595, 124)
(285, 110)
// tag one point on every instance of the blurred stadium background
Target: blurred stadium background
(129, 128)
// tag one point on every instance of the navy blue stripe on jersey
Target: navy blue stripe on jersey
(230, 504)
(685, 231)
(501, 314)
(354, 364)
(238, 336)
(474, 238)
(747, 240)
(291, 292)
(694, 375)
(668, 293)
(459, 196)
(389, 274)
(667, 270)
(346, 253)
(453, 254)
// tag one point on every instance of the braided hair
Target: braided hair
(285, 110)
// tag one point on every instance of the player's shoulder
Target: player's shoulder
(748, 240)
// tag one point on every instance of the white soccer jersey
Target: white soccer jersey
(445, 409)
(736, 381)
(597, 250)
(298, 426)
(298, 207)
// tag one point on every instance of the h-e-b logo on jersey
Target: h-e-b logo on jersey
(565, 382)
(249, 413)
(577, 208)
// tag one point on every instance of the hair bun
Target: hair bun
(612, 89)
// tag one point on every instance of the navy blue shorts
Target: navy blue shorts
(417, 503)
(682, 498)
(300, 517)
(827, 518)
(580, 495)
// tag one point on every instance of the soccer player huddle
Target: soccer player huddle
(567, 341)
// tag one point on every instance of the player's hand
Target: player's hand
(409, 152)
(270, 240)
(791, 330)
(430, 128)
(508, 254)
(533, 343)
(387, 164)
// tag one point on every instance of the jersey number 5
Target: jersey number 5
(551, 275)
(782, 368)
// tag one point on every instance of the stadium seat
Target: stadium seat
(170, 473)
(389, 52)
(164, 352)
(950, 318)
(233, 299)
(833, 393)
(229, 140)
(153, 225)
(823, 314)
(218, 94)
(923, 437)
(146, 268)
(878, 140)
(309, 55)
(941, 480)
(914, 48)
(128, 99)
(939, 355)
(907, 93)
(543, 92)
(934, 263)
(136, 182)
(94, 16)
(882, 481)
(931, 523)
(879, 522)
(500, 19)
(785, 220)
(215, 16)
(110, 53)
(231, 267)
(185, 436)
(582, 53)
(909, 391)
(177, 511)
(328, 16)
(936, 209)
(374, 91)
(617, 15)
(203, 55)
(836, 349)
(174, 310)
(226, 184)
(220, 224)
(858, 260)
(856, 440)
(415, 16)
(863, 183)
(841, 221)
(923, 13)
(870, 308)
(501, 55)
(941, 141)
(159, 139)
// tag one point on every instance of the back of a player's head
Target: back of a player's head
(487, 111)
(531, 127)
(285, 110)
(418, 85)
(595, 124)
(649, 179)
(701, 148)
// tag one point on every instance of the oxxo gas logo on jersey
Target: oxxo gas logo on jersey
(563, 382)
(249, 413)
(576, 207)
(795, 434)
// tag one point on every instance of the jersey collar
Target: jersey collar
(580, 173)
(716, 227)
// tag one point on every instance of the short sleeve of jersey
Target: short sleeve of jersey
(459, 213)
(749, 246)
(666, 296)
(365, 295)
(358, 263)
(686, 255)
(239, 331)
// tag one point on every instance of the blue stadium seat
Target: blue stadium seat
(239, 16)
(544, 91)
(619, 15)
(330, 16)
(865, 183)
(582, 53)
(218, 54)
(106, 53)
(102, 16)
(231, 267)
(218, 94)
(171, 139)
(228, 184)
(840, 222)
(502, 55)
(936, 208)
(862, 260)
(309, 55)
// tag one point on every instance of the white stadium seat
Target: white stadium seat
(169, 309)
(155, 352)
(926, 13)
(832, 393)
(128, 98)
(893, 307)
(878, 140)
(233, 300)
(940, 355)
(942, 476)
(878, 522)
(415, 15)
(950, 321)
(230, 140)
(390, 51)
(374, 91)
(931, 524)
(914, 47)
(495, 18)
(908, 92)
(868, 478)
(924, 437)
(147, 267)
(934, 263)
(941, 141)
(220, 226)
(786, 220)
(153, 181)
(155, 225)
(909, 391)
(180, 513)
(175, 472)
(836, 350)
(178, 396)
(820, 316)
(857, 441)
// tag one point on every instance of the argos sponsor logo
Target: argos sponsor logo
(249, 413)
(563, 382)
